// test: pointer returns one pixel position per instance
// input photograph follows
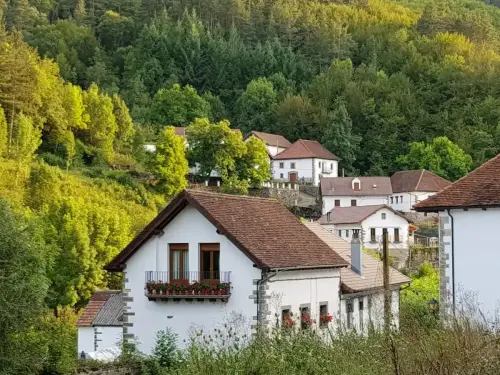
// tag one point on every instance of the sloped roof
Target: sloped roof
(264, 229)
(98, 306)
(354, 214)
(272, 139)
(111, 313)
(303, 149)
(479, 189)
(417, 180)
(181, 130)
(342, 186)
(372, 274)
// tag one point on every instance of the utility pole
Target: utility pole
(387, 292)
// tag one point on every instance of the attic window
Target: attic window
(356, 186)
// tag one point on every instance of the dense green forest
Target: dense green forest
(84, 84)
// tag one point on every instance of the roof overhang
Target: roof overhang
(445, 208)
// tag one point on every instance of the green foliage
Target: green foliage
(177, 106)
(442, 156)
(254, 166)
(126, 129)
(165, 350)
(170, 165)
(3, 132)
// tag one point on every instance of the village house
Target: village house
(412, 187)
(362, 293)
(209, 259)
(100, 325)
(469, 215)
(372, 221)
(304, 162)
(274, 143)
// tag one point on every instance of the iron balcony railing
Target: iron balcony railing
(188, 277)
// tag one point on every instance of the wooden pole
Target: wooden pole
(387, 292)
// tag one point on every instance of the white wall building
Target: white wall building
(469, 254)
(274, 143)
(274, 264)
(304, 161)
(362, 295)
(100, 326)
(372, 221)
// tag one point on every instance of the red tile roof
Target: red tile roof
(303, 149)
(354, 214)
(342, 186)
(480, 188)
(417, 180)
(272, 139)
(96, 303)
(264, 229)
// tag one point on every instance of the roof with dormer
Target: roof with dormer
(343, 186)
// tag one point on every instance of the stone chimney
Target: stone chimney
(356, 253)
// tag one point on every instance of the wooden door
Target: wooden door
(292, 176)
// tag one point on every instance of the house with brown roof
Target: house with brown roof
(362, 293)
(100, 326)
(274, 143)
(469, 254)
(304, 161)
(412, 187)
(211, 259)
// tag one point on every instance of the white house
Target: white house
(274, 143)
(354, 191)
(372, 221)
(100, 325)
(411, 187)
(212, 259)
(469, 253)
(362, 294)
(304, 161)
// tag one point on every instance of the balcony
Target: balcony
(189, 286)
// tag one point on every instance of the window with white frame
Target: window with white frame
(324, 317)
(384, 216)
(282, 165)
(292, 165)
(361, 314)
(350, 312)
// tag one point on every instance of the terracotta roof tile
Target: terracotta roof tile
(272, 139)
(372, 271)
(353, 214)
(96, 303)
(342, 186)
(303, 149)
(417, 180)
(480, 188)
(264, 229)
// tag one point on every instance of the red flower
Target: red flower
(288, 322)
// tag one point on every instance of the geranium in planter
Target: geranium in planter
(305, 321)
(150, 286)
(325, 319)
(288, 322)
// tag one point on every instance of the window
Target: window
(384, 216)
(396, 234)
(319, 164)
(372, 235)
(401, 198)
(397, 198)
(347, 232)
(179, 262)
(392, 200)
(350, 311)
(282, 165)
(331, 166)
(337, 202)
(353, 202)
(361, 314)
(209, 261)
(324, 317)
(370, 308)
(305, 317)
(286, 317)
(281, 175)
(292, 165)
(356, 186)
(339, 233)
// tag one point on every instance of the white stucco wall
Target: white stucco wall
(273, 150)
(307, 169)
(345, 201)
(374, 315)
(296, 289)
(477, 258)
(108, 337)
(85, 340)
(183, 317)
(409, 200)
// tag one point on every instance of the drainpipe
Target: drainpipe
(452, 258)
(265, 278)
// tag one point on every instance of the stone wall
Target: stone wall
(287, 197)
(310, 190)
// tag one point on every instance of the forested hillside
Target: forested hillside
(84, 84)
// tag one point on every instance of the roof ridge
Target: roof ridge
(420, 178)
(307, 148)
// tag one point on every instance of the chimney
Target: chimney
(356, 253)
(328, 214)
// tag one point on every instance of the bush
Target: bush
(165, 351)
(53, 159)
